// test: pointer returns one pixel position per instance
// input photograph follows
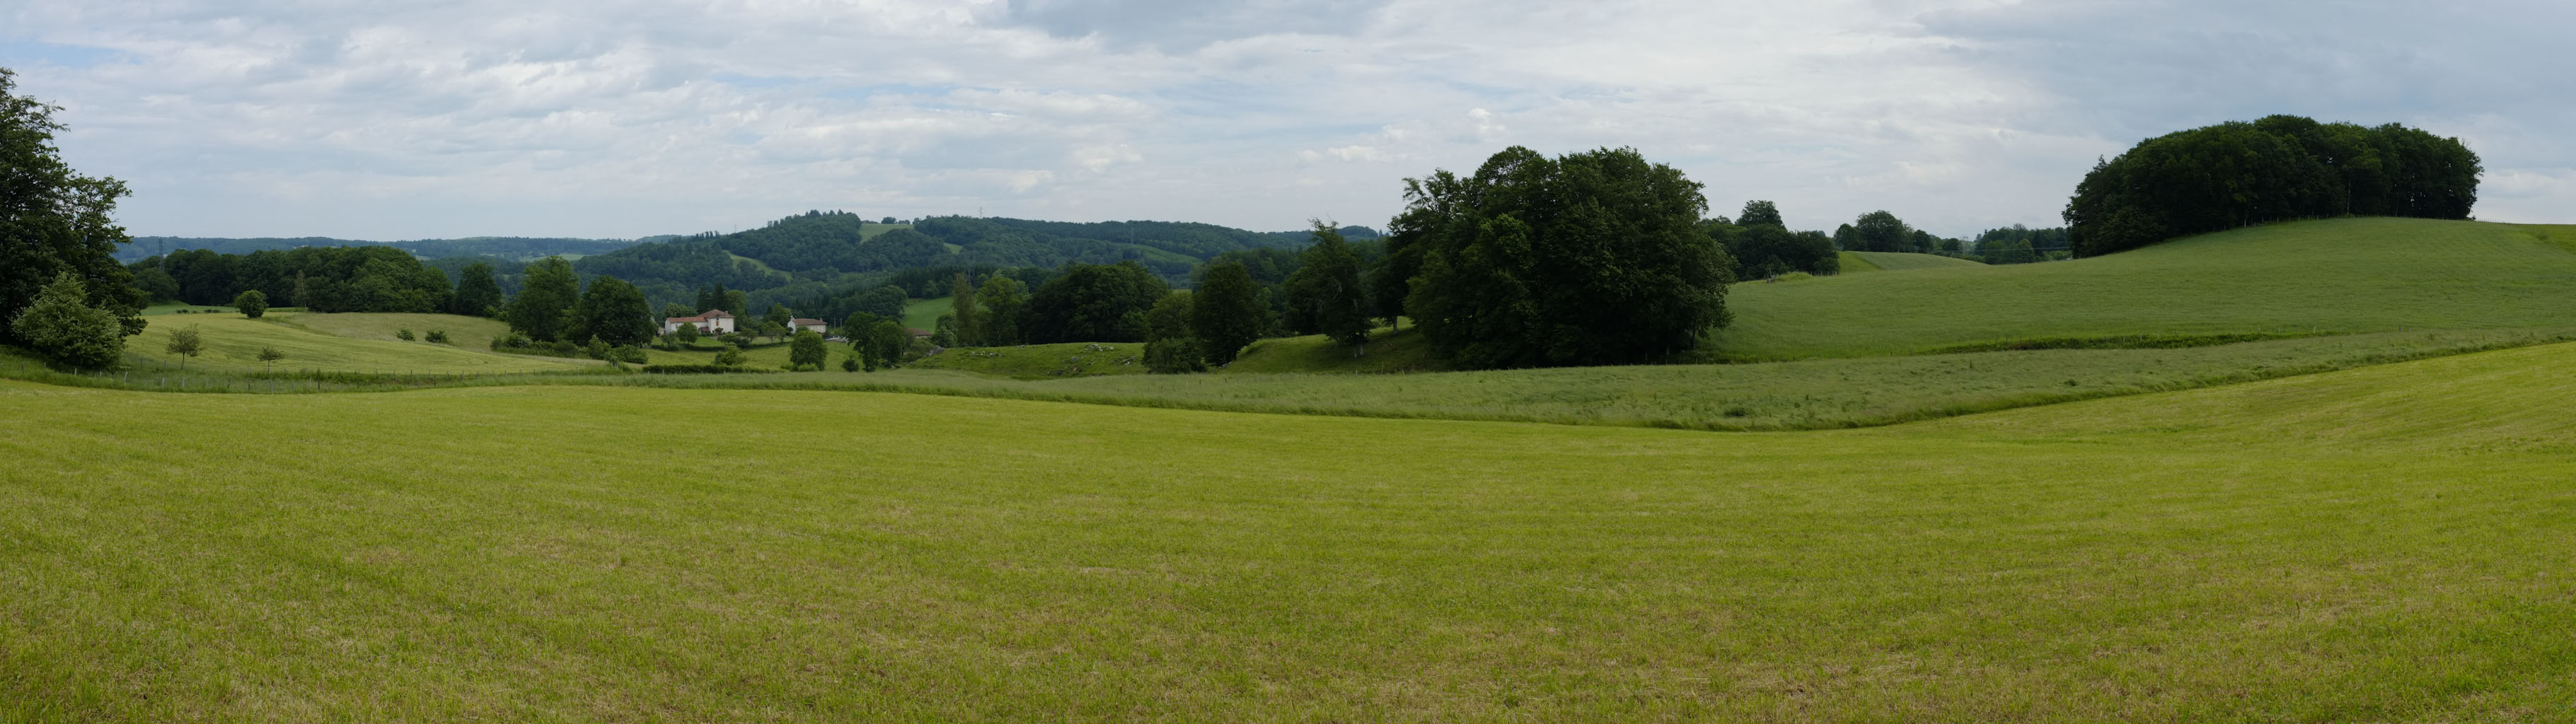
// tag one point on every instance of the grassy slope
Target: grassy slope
(233, 342)
(1853, 262)
(1897, 261)
(2381, 544)
(1043, 361)
(925, 313)
(2342, 275)
(1387, 351)
(468, 333)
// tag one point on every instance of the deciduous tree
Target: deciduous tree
(543, 309)
(1226, 312)
(251, 303)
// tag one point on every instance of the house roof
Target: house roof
(917, 331)
(711, 314)
(803, 322)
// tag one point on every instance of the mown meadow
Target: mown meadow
(2376, 544)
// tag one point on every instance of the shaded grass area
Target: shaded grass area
(1387, 351)
(2199, 556)
(2330, 276)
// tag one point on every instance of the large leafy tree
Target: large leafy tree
(1226, 313)
(477, 295)
(1094, 303)
(614, 312)
(1881, 231)
(543, 309)
(1169, 345)
(1325, 295)
(1588, 258)
(1003, 299)
(54, 221)
(961, 307)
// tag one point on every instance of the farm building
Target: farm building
(712, 322)
(801, 324)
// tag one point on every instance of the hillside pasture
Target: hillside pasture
(233, 342)
(1043, 361)
(2309, 277)
(469, 333)
(1899, 261)
(2385, 544)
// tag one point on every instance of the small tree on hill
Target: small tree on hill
(1226, 312)
(186, 343)
(688, 333)
(807, 350)
(270, 355)
(889, 341)
(730, 356)
(1169, 346)
(251, 303)
(66, 331)
(1324, 294)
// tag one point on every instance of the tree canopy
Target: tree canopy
(1588, 258)
(54, 221)
(614, 312)
(543, 309)
(1325, 295)
(2279, 168)
(1092, 303)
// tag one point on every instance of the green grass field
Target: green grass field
(1043, 361)
(1859, 261)
(2337, 276)
(339, 343)
(2382, 544)
(924, 313)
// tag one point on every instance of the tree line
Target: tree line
(2278, 168)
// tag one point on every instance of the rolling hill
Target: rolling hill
(1868, 261)
(2301, 278)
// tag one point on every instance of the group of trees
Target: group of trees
(1587, 258)
(321, 279)
(2018, 244)
(62, 293)
(1763, 246)
(2281, 167)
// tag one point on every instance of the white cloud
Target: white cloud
(634, 117)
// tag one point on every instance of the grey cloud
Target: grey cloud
(1186, 25)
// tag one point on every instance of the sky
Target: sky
(411, 119)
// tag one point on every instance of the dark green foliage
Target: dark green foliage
(1588, 258)
(807, 349)
(2279, 168)
(676, 309)
(403, 334)
(944, 332)
(614, 312)
(2019, 244)
(54, 221)
(850, 364)
(1093, 303)
(63, 328)
(1325, 295)
(1760, 213)
(1170, 346)
(477, 295)
(1766, 250)
(485, 247)
(713, 369)
(730, 356)
(436, 336)
(886, 301)
(251, 303)
(270, 355)
(686, 333)
(961, 312)
(185, 342)
(710, 299)
(1226, 312)
(1880, 231)
(1003, 299)
(320, 279)
(543, 309)
(887, 342)
(859, 325)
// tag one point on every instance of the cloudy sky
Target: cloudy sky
(404, 119)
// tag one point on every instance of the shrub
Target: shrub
(403, 334)
(438, 336)
(730, 356)
(849, 364)
(700, 369)
(629, 354)
(511, 340)
(565, 348)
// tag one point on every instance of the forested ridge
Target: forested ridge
(2279, 168)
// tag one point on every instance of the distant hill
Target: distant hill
(509, 248)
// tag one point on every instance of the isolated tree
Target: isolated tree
(1588, 258)
(54, 221)
(61, 327)
(251, 303)
(543, 309)
(1170, 346)
(614, 312)
(185, 342)
(730, 356)
(807, 350)
(1226, 312)
(1003, 298)
(1882, 231)
(961, 305)
(1324, 294)
(270, 355)
(477, 295)
(687, 333)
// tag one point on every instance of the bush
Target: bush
(849, 364)
(699, 369)
(565, 348)
(438, 336)
(512, 340)
(403, 334)
(629, 354)
(730, 356)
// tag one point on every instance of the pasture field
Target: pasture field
(2381, 544)
(922, 313)
(1043, 361)
(1803, 395)
(1895, 260)
(1388, 350)
(467, 333)
(232, 343)
(2328, 276)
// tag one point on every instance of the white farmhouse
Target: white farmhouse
(801, 324)
(712, 322)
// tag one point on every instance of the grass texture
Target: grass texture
(317, 341)
(2383, 544)
(2309, 277)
